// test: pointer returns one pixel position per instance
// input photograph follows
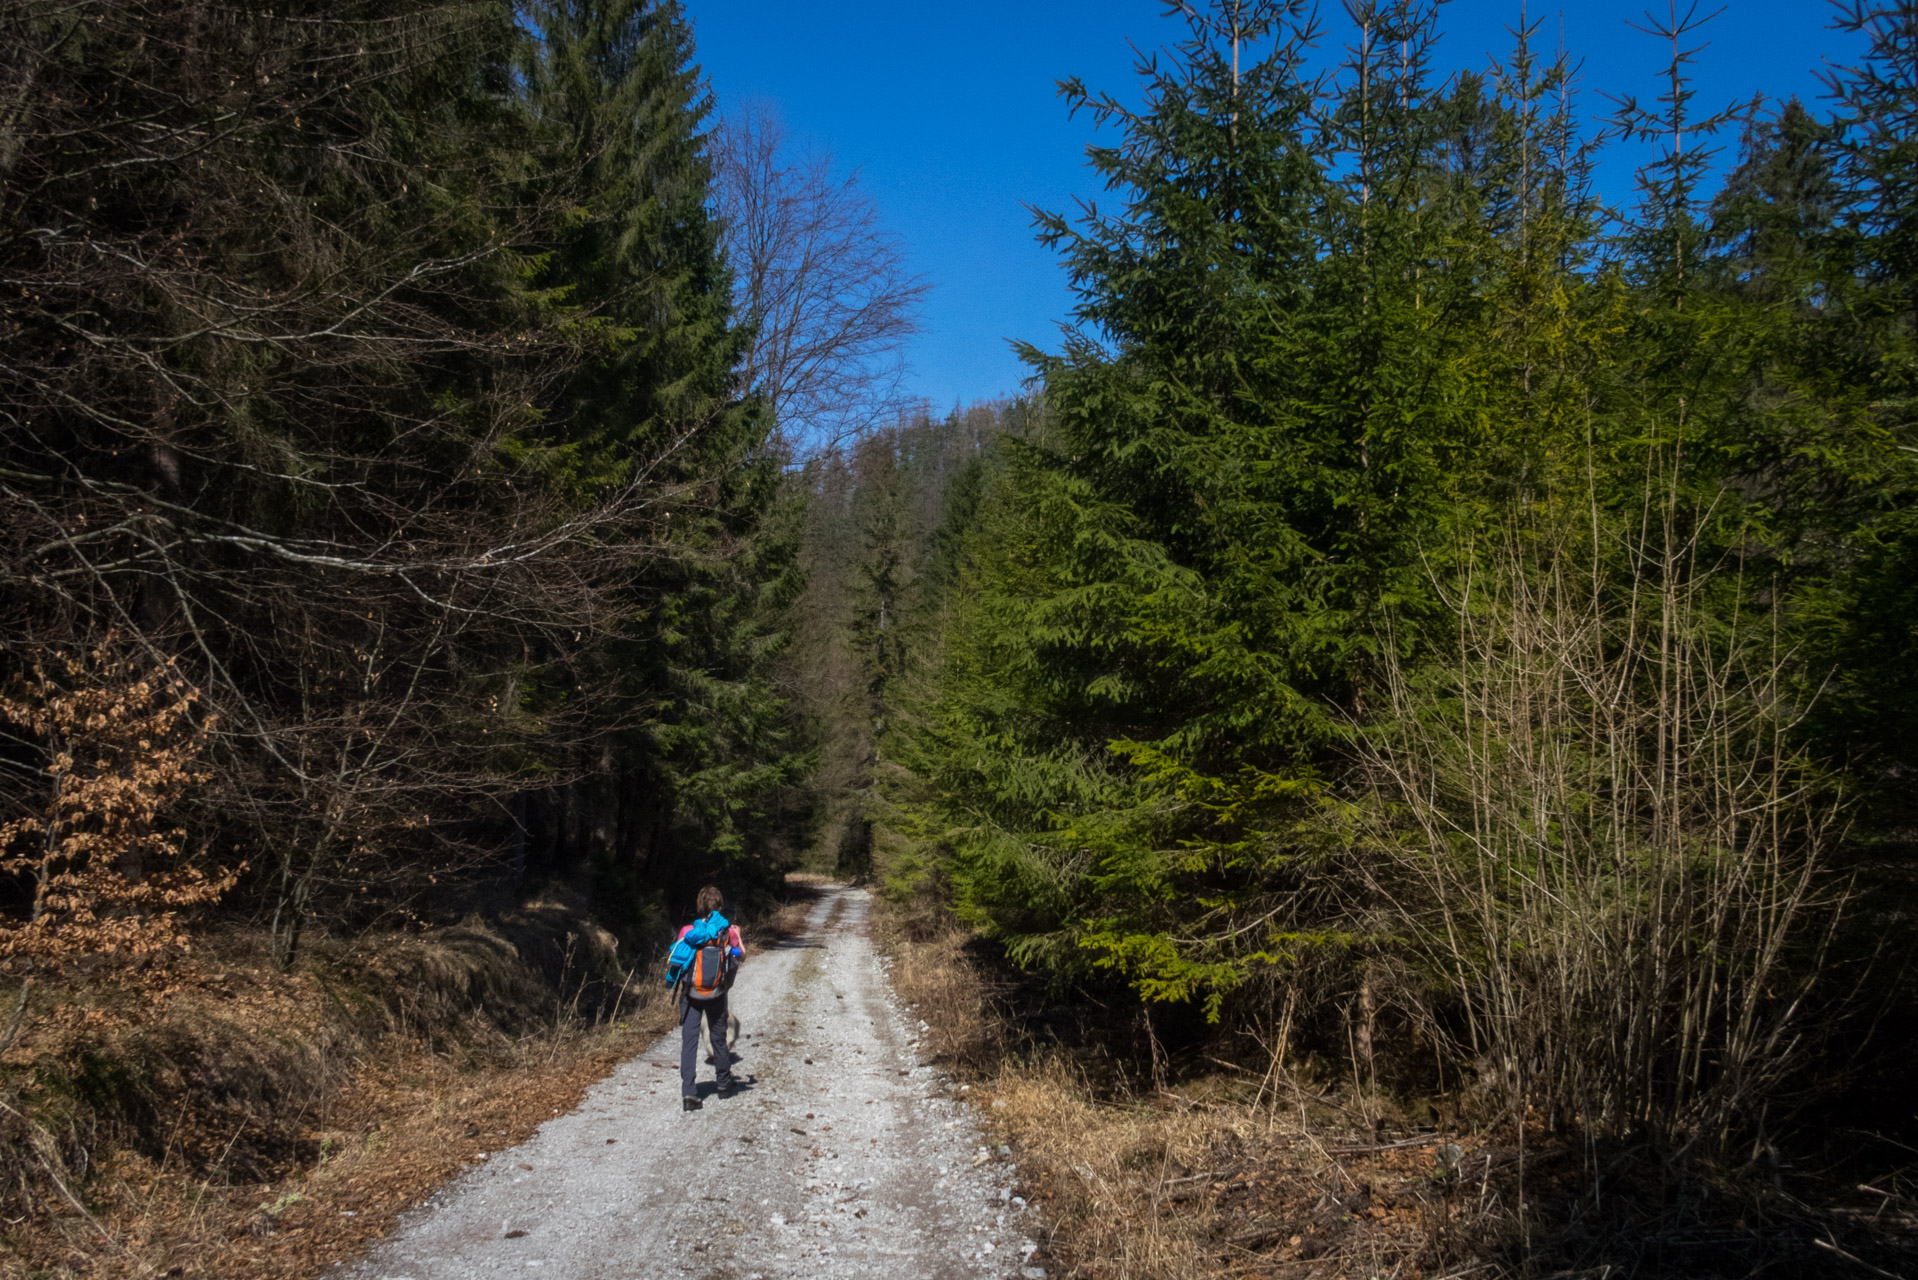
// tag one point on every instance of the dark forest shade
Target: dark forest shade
(376, 363)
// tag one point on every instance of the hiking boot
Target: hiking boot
(689, 1104)
(727, 1088)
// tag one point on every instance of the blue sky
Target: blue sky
(950, 113)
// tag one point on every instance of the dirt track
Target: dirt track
(844, 1157)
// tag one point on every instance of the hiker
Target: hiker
(704, 960)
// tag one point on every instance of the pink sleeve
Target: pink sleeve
(685, 930)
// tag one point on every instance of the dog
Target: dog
(732, 1038)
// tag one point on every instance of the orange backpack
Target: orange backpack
(706, 976)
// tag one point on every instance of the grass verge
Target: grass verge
(240, 1122)
(1188, 1165)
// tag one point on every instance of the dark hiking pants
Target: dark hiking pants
(689, 1015)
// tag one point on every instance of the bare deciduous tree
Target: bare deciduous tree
(1605, 859)
(821, 283)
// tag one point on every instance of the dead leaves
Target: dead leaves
(106, 872)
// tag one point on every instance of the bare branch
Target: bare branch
(821, 284)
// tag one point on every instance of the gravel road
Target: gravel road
(844, 1157)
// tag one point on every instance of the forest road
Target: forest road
(844, 1157)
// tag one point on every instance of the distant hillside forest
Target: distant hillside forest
(1422, 613)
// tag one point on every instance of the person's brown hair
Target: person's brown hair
(710, 900)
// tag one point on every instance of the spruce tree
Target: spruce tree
(1183, 586)
(1865, 610)
(690, 772)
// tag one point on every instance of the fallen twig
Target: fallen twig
(1389, 1146)
(1200, 1177)
(1259, 1236)
(1190, 1102)
(1878, 1218)
(1852, 1257)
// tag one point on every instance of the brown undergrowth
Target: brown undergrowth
(1194, 1178)
(264, 1125)
(408, 1120)
(1204, 1167)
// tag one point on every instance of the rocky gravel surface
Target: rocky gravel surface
(844, 1155)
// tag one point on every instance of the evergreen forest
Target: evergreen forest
(1422, 620)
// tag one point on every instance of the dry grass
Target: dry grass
(256, 1124)
(1189, 1187)
(409, 1120)
(1227, 1176)
(1229, 1171)
(932, 973)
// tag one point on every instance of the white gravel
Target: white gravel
(844, 1157)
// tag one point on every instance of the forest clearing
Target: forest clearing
(1384, 749)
